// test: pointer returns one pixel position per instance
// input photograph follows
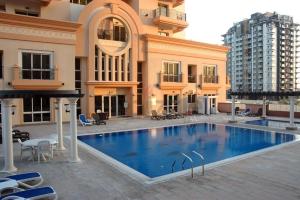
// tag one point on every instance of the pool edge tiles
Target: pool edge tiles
(142, 178)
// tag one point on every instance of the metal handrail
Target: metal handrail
(191, 160)
(173, 165)
(202, 158)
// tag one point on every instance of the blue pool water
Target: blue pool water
(153, 151)
(271, 123)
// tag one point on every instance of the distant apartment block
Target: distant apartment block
(264, 53)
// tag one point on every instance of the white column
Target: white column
(100, 64)
(109, 103)
(60, 145)
(7, 136)
(113, 70)
(264, 108)
(120, 68)
(292, 114)
(233, 120)
(106, 61)
(73, 130)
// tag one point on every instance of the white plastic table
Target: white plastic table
(33, 143)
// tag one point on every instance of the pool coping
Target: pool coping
(143, 179)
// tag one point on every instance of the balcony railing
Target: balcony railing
(209, 79)
(82, 2)
(191, 79)
(36, 78)
(171, 77)
(37, 74)
(175, 2)
(173, 14)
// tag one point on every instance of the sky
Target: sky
(208, 20)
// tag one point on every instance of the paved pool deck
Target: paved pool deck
(273, 175)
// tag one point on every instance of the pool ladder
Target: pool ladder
(186, 157)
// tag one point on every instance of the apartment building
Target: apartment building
(264, 53)
(128, 57)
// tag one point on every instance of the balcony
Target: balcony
(46, 79)
(169, 19)
(209, 82)
(191, 79)
(175, 2)
(170, 81)
(45, 2)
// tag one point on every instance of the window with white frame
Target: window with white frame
(192, 98)
(37, 65)
(36, 109)
(170, 102)
(171, 72)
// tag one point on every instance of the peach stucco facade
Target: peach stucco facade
(128, 57)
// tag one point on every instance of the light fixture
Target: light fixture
(67, 108)
(13, 109)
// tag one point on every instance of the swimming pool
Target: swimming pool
(271, 123)
(152, 152)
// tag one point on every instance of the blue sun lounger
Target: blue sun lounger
(84, 121)
(27, 180)
(32, 194)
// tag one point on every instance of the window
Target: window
(162, 33)
(36, 109)
(2, 8)
(0, 113)
(192, 73)
(110, 65)
(112, 29)
(27, 12)
(163, 10)
(103, 66)
(170, 102)
(96, 63)
(116, 68)
(140, 89)
(192, 98)
(37, 65)
(128, 65)
(82, 2)
(1, 64)
(78, 82)
(171, 72)
(210, 74)
(119, 33)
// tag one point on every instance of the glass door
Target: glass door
(113, 106)
(170, 102)
(98, 104)
(121, 108)
(106, 104)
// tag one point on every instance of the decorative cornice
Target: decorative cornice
(37, 22)
(182, 42)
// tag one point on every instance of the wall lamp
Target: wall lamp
(67, 108)
(13, 109)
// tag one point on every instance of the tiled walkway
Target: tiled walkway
(272, 175)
